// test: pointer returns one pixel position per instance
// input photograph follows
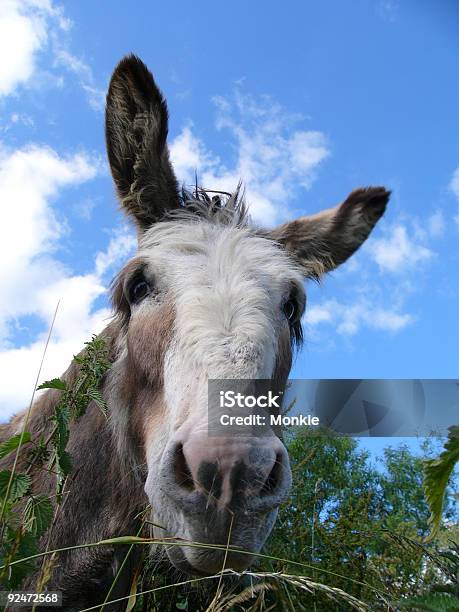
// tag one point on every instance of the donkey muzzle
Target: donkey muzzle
(227, 491)
(250, 475)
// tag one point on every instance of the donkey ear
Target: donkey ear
(136, 125)
(324, 241)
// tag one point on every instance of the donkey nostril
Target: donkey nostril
(182, 472)
(274, 477)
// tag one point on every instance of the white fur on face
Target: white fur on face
(227, 286)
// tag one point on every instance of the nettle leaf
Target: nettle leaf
(64, 462)
(59, 440)
(26, 548)
(11, 444)
(437, 473)
(54, 383)
(20, 484)
(38, 514)
(96, 397)
(39, 453)
(61, 417)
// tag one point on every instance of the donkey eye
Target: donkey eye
(138, 290)
(290, 309)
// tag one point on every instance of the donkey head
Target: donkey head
(206, 296)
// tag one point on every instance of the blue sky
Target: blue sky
(303, 101)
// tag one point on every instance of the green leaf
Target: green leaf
(60, 439)
(16, 573)
(96, 397)
(55, 383)
(38, 514)
(64, 463)
(123, 540)
(133, 590)
(20, 484)
(437, 473)
(434, 602)
(11, 444)
(39, 453)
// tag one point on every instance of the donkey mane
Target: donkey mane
(218, 207)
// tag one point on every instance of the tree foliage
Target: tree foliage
(359, 524)
(437, 473)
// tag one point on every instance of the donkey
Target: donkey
(206, 296)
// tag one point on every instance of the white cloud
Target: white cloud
(454, 187)
(188, 154)
(84, 208)
(28, 30)
(33, 279)
(95, 95)
(397, 252)
(24, 32)
(307, 150)
(273, 160)
(16, 119)
(388, 10)
(347, 319)
(19, 366)
(454, 183)
(120, 247)
(77, 319)
(29, 178)
(436, 224)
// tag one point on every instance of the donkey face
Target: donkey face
(206, 296)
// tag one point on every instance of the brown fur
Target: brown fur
(324, 241)
(148, 339)
(93, 508)
(136, 132)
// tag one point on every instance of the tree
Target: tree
(359, 526)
